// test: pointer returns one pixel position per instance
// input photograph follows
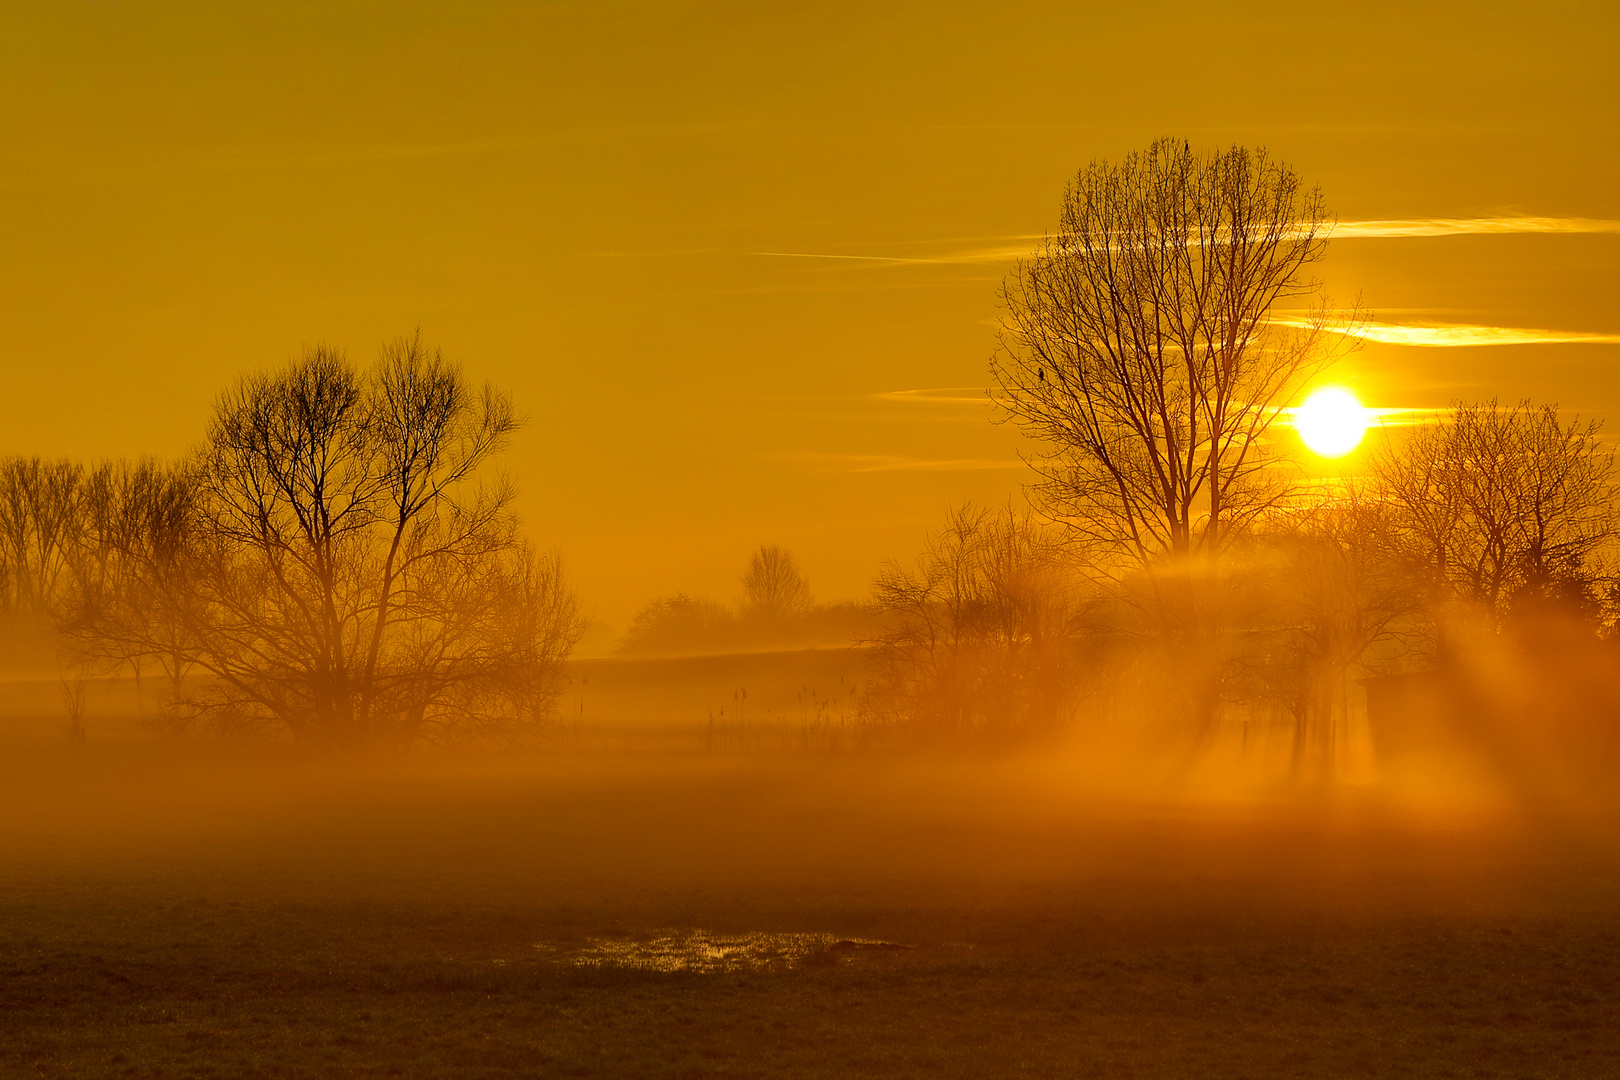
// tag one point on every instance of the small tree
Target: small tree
(1327, 601)
(773, 587)
(1502, 509)
(682, 624)
(980, 637)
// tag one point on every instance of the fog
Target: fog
(1194, 754)
(662, 788)
(776, 880)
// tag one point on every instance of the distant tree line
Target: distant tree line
(327, 566)
(775, 611)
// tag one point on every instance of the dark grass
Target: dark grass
(124, 988)
(312, 924)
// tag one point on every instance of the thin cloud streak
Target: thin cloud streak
(1492, 226)
(1397, 417)
(858, 258)
(1460, 336)
(1010, 249)
(944, 395)
(960, 258)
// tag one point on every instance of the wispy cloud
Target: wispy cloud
(1389, 417)
(1009, 249)
(1456, 336)
(857, 258)
(943, 395)
(1396, 228)
(1461, 335)
(1001, 253)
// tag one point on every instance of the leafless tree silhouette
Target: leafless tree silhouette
(1143, 345)
(775, 612)
(71, 547)
(682, 623)
(980, 637)
(129, 568)
(773, 586)
(38, 519)
(1327, 600)
(335, 570)
(1502, 508)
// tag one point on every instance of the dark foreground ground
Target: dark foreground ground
(161, 918)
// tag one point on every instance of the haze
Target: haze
(835, 539)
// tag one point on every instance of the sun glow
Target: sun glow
(1332, 421)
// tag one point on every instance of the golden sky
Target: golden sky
(738, 261)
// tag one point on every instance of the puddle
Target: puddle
(701, 951)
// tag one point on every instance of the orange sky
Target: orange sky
(607, 207)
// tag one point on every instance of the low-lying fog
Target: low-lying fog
(655, 804)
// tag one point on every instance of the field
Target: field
(604, 909)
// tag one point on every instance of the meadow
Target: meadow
(613, 908)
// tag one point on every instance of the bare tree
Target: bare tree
(1502, 508)
(981, 636)
(682, 623)
(773, 587)
(492, 668)
(74, 684)
(1328, 601)
(1143, 344)
(38, 519)
(70, 547)
(129, 569)
(341, 576)
(775, 612)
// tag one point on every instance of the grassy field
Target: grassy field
(206, 917)
(660, 902)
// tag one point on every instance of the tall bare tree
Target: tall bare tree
(1145, 344)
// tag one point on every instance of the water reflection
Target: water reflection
(701, 951)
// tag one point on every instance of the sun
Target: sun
(1332, 421)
